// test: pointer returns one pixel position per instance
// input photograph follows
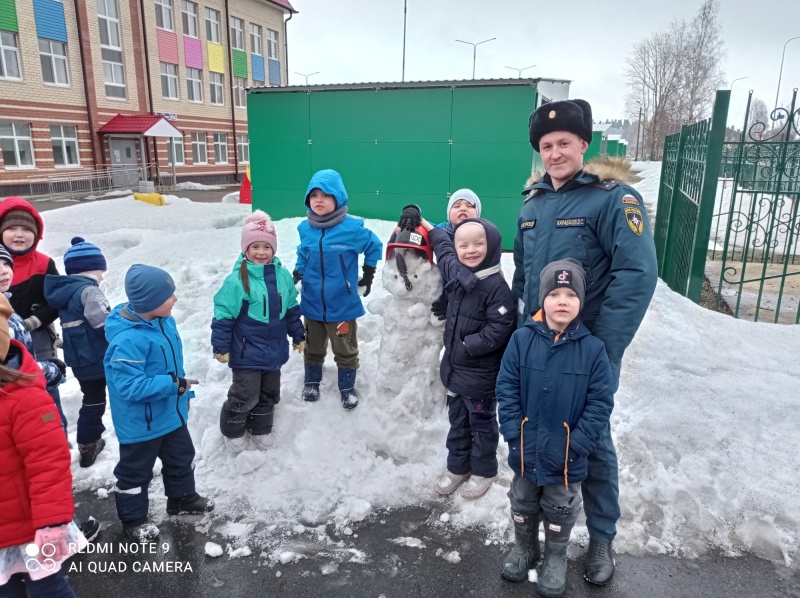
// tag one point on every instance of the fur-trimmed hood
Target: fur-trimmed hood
(606, 168)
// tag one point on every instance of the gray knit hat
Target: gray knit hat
(566, 273)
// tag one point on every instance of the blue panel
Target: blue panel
(257, 64)
(274, 71)
(50, 22)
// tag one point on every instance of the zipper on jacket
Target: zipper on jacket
(265, 306)
(148, 414)
(322, 279)
(175, 361)
(522, 445)
(566, 457)
(244, 345)
(344, 273)
(164, 353)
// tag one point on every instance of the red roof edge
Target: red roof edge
(285, 4)
(136, 123)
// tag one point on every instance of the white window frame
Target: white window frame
(212, 25)
(256, 39)
(6, 53)
(179, 151)
(16, 137)
(190, 21)
(217, 88)
(60, 135)
(243, 148)
(237, 33)
(239, 92)
(194, 85)
(164, 15)
(220, 148)
(198, 142)
(169, 81)
(53, 58)
(114, 78)
(272, 44)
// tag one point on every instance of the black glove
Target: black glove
(410, 217)
(366, 279)
(439, 309)
(183, 385)
(62, 367)
(296, 276)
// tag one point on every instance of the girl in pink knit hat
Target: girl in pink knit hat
(255, 314)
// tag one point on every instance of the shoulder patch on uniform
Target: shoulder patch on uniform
(527, 225)
(635, 221)
(566, 222)
(48, 417)
(630, 199)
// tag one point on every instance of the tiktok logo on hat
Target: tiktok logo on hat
(564, 278)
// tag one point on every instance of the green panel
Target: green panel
(356, 162)
(239, 63)
(612, 147)
(492, 113)
(277, 118)
(412, 115)
(387, 206)
(594, 146)
(280, 173)
(8, 16)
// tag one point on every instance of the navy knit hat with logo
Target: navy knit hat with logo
(5, 256)
(148, 287)
(567, 273)
(83, 257)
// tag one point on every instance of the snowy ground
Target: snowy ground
(705, 418)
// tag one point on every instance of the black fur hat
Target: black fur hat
(573, 116)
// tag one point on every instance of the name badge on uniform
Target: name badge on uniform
(567, 222)
(527, 225)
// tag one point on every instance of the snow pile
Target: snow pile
(408, 541)
(213, 550)
(704, 425)
(192, 186)
(230, 198)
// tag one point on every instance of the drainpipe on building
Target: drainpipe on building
(286, 46)
(233, 105)
(146, 159)
(86, 88)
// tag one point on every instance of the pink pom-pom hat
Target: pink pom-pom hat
(258, 227)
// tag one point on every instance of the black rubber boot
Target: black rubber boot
(525, 554)
(553, 574)
(194, 504)
(599, 563)
(90, 451)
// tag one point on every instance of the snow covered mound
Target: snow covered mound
(705, 418)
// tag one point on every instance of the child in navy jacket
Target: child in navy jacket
(480, 320)
(555, 394)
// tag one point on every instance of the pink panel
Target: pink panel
(167, 46)
(193, 52)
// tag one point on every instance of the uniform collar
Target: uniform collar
(579, 179)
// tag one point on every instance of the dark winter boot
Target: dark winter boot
(553, 573)
(90, 528)
(142, 532)
(347, 386)
(599, 563)
(194, 504)
(525, 554)
(311, 384)
(90, 451)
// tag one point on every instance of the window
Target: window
(221, 148)
(243, 148)
(164, 14)
(178, 141)
(255, 39)
(169, 80)
(239, 92)
(9, 56)
(17, 145)
(194, 85)
(199, 155)
(111, 48)
(212, 25)
(272, 44)
(53, 56)
(64, 140)
(237, 34)
(190, 26)
(217, 82)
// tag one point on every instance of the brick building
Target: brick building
(81, 82)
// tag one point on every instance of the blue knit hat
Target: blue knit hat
(83, 257)
(6, 256)
(147, 287)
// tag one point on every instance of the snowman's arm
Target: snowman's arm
(500, 314)
(508, 392)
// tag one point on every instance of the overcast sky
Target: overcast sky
(351, 41)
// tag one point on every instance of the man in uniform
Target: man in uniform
(591, 216)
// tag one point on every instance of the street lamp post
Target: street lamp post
(475, 50)
(405, 17)
(780, 74)
(734, 81)
(638, 124)
(519, 71)
(307, 76)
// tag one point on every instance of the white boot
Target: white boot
(449, 483)
(263, 442)
(235, 445)
(476, 486)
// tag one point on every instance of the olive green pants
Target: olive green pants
(345, 348)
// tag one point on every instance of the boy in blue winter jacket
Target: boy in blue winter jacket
(327, 264)
(480, 320)
(555, 394)
(83, 309)
(149, 396)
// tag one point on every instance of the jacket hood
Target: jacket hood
(605, 168)
(331, 183)
(494, 243)
(17, 203)
(59, 289)
(123, 318)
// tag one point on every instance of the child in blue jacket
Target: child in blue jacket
(480, 320)
(149, 396)
(83, 309)
(555, 393)
(254, 312)
(327, 264)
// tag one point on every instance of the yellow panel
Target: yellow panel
(216, 58)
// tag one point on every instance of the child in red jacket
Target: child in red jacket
(36, 529)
